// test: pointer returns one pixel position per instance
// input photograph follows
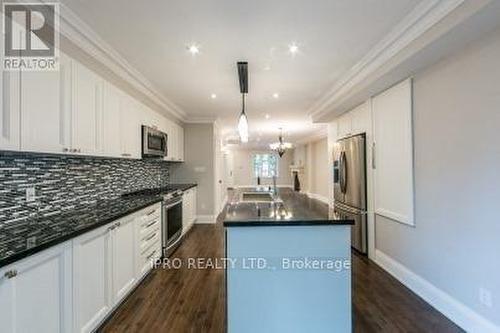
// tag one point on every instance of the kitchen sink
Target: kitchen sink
(257, 197)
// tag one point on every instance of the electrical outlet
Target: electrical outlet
(485, 297)
(30, 194)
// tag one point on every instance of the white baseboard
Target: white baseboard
(318, 197)
(456, 311)
(205, 219)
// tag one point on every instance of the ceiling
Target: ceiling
(332, 36)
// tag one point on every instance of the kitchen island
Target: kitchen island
(288, 263)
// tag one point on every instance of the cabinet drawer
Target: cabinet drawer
(148, 226)
(149, 240)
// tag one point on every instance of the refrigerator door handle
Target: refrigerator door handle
(343, 185)
(374, 166)
(341, 176)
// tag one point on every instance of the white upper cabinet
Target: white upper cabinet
(112, 145)
(10, 112)
(46, 109)
(360, 119)
(172, 142)
(393, 151)
(130, 127)
(175, 142)
(180, 143)
(86, 110)
(35, 293)
(344, 125)
(75, 111)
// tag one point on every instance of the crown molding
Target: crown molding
(200, 119)
(72, 27)
(422, 18)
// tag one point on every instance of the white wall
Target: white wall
(199, 166)
(317, 168)
(243, 171)
(456, 240)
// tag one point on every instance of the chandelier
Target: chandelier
(281, 146)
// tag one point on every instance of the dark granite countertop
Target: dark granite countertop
(182, 187)
(292, 208)
(21, 240)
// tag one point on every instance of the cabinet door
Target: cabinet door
(91, 278)
(180, 143)
(172, 142)
(185, 211)
(86, 110)
(35, 294)
(45, 109)
(193, 206)
(360, 118)
(344, 125)
(123, 257)
(130, 127)
(111, 114)
(10, 110)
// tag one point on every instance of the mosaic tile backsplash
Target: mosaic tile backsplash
(65, 183)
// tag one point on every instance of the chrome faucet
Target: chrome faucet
(275, 189)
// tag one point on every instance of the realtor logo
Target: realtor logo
(30, 40)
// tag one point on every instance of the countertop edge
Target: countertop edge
(286, 223)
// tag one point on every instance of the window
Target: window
(265, 165)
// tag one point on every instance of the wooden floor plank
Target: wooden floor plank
(188, 300)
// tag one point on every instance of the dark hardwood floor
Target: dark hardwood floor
(188, 300)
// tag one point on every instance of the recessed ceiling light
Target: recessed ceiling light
(193, 49)
(267, 116)
(293, 48)
(213, 96)
(276, 95)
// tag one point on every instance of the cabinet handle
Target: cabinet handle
(150, 224)
(150, 237)
(374, 165)
(151, 212)
(65, 150)
(151, 255)
(112, 228)
(117, 224)
(10, 274)
(126, 155)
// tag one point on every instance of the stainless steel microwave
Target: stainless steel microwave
(154, 142)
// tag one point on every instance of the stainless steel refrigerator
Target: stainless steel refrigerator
(349, 186)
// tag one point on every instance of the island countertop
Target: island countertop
(290, 208)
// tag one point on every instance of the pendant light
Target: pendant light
(243, 121)
(281, 146)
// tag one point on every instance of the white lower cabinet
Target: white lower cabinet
(148, 238)
(35, 293)
(188, 209)
(74, 286)
(91, 278)
(123, 257)
(106, 267)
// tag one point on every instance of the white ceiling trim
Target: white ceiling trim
(423, 17)
(200, 119)
(83, 36)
